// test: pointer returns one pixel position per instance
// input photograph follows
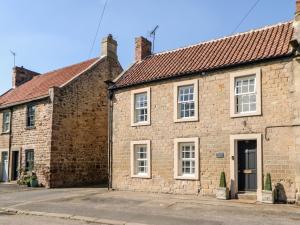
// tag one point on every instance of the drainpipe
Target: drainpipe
(110, 132)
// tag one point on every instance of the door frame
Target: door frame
(11, 163)
(234, 162)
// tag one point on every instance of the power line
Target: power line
(98, 28)
(245, 17)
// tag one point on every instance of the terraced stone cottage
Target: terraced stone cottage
(56, 123)
(181, 117)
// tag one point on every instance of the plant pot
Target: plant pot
(268, 197)
(34, 183)
(222, 193)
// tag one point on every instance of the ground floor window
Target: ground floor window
(140, 159)
(186, 158)
(29, 160)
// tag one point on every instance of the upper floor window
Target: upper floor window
(30, 117)
(245, 94)
(29, 160)
(140, 112)
(140, 159)
(6, 122)
(245, 99)
(186, 101)
(186, 158)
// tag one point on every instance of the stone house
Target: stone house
(56, 123)
(181, 117)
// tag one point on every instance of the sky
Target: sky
(48, 35)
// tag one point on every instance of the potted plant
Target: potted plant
(34, 180)
(268, 193)
(222, 192)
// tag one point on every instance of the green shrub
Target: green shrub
(223, 180)
(268, 183)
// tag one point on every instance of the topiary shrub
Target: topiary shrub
(223, 180)
(268, 183)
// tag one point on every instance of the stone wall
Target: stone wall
(37, 138)
(80, 123)
(213, 128)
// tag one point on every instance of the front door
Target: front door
(15, 165)
(247, 170)
(4, 166)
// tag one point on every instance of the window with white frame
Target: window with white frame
(245, 93)
(187, 158)
(140, 112)
(140, 159)
(186, 101)
(140, 107)
(6, 122)
(186, 162)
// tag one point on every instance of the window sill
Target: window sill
(237, 115)
(5, 133)
(30, 128)
(141, 176)
(191, 119)
(186, 178)
(146, 123)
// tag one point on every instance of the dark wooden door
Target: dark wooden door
(247, 165)
(15, 165)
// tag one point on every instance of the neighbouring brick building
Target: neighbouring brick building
(56, 123)
(181, 117)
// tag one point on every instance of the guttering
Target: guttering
(23, 102)
(203, 72)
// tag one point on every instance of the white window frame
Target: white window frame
(241, 74)
(133, 162)
(3, 122)
(176, 94)
(177, 167)
(133, 94)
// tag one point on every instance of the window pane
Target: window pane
(245, 97)
(140, 107)
(186, 102)
(187, 159)
(141, 164)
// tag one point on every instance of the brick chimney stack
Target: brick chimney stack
(109, 47)
(20, 75)
(142, 48)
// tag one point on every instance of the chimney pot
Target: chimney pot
(142, 48)
(109, 47)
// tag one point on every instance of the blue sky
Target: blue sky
(51, 34)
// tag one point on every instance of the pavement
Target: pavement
(96, 205)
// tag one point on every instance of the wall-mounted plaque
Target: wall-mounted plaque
(220, 155)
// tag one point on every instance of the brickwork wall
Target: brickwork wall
(213, 128)
(80, 123)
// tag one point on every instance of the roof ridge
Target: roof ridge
(222, 38)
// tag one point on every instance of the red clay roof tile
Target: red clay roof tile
(39, 85)
(265, 43)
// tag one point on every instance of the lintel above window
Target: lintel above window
(245, 93)
(140, 107)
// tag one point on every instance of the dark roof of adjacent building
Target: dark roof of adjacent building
(39, 86)
(266, 43)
